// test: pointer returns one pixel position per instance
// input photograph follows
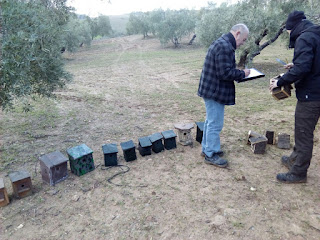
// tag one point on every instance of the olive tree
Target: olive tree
(103, 25)
(138, 23)
(175, 25)
(31, 35)
(264, 18)
(76, 32)
(214, 22)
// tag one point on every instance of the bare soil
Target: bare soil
(126, 88)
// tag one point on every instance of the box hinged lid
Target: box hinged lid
(79, 151)
(168, 134)
(155, 137)
(110, 148)
(145, 142)
(127, 145)
(53, 159)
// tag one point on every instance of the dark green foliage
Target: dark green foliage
(99, 26)
(76, 33)
(104, 26)
(170, 25)
(176, 25)
(138, 23)
(264, 18)
(31, 61)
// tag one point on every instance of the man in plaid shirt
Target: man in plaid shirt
(217, 89)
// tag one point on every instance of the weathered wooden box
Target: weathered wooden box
(129, 151)
(4, 199)
(81, 159)
(257, 141)
(252, 134)
(21, 183)
(270, 135)
(282, 92)
(54, 167)
(283, 141)
(258, 144)
(199, 135)
(184, 133)
(144, 146)
(156, 140)
(169, 139)
(110, 154)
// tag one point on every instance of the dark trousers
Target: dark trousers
(306, 118)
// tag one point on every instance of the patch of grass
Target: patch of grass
(238, 224)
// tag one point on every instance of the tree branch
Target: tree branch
(263, 46)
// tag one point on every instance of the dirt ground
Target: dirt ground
(126, 88)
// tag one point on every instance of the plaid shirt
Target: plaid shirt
(219, 71)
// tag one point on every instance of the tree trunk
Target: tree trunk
(244, 56)
(175, 41)
(263, 46)
(193, 38)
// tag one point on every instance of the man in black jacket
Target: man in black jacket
(305, 74)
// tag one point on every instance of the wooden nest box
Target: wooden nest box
(258, 142)
(54, 167)
(199, 136)
(144, 146)
(129, 151)
(270, 135)
(169, 139)
(110, 154)
(21, 183)
(281, 92)
(283, 141)
(4, 199)
(81, 159)
(184, 133)
(156, 140)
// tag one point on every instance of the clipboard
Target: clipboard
(254, 74)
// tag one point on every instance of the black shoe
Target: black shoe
(216, 161)
(219, 153)
(287, 161)
(291, 178)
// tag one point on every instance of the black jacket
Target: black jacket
(305, 74)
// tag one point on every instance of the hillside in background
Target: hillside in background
(118, 23)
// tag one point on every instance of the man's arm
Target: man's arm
(303, 58)
(225, 66)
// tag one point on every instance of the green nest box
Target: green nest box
(200, 126)
(156, 140)
(129, 150)
(169, 139)
(110, 154)
(81, 160)
(144, 146)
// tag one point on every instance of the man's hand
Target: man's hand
(246, 72)
(273, 83)
(288, 66)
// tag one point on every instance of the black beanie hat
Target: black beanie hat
(294, 18)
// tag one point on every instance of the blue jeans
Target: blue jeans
(212, 127)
